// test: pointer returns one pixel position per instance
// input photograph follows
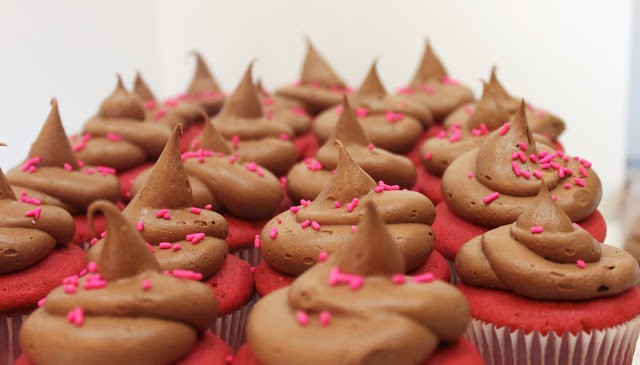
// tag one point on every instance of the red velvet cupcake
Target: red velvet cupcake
(543, 290)
(293, 241)
(124, 310)
(52, 175)
(183, 237)
(492, 185)
(358, 307)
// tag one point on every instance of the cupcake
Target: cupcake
(542, 290)
(185, 237)
(119, 136)
(492, 185)
(335, 314)
(393, 123)
(306, 179)
(34, 254)
(124, 310)
(203, 91)
(319, 86)
(540, 121)
(252, 135)
(293, 241)
(247, 194)
(52, 175)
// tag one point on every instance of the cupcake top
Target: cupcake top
(52, 175)
(492, 185)
(292, 241)
(122, 309)
(306, 179)
(203, 91)
(540, 121)
(29, 230)
(118, 135)
(392, 122)
(283, 110)
(357, 307)
(319, 86)
(432, 86)
(180, 235)
(253, 137)
(543, 255)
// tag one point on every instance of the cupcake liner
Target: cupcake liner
(611, 345)
(230, 327)
(454, 274)
(9, 339)
(249, 254)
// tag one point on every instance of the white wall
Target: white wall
(572, 57)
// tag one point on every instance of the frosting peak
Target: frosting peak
(489, 111)
(372, 87)
(244, 102)
(203, 79)
(348, 130)
(211, 139)
(122, 104)
(6, 193)
(141, 89)
(52, 146)
(430, 67)
(317, 70)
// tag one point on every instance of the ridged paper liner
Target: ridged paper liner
(613, 345)
(9, 340)
(230, 327)
(249, 254)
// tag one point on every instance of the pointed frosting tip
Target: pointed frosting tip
(430, 66)
(348, 129)
(52, 145)
(210, 139)
(203, 79)
(372, 85)
(122, 104)
(6, 193)
(244, 102)
(316, 69)
(141, 89)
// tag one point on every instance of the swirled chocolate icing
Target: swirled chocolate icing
(392, 122)
(492, 185)
(540, 121)
(319, 86)
(162, 211)
(545, 256)
(52, 174)
(253, 136)
(283, 110)
(357, 308)
(118, 135)
(219, 178)
(125, 312)
(306, 179)
(434, 88)
(291, 241)
(203, 91)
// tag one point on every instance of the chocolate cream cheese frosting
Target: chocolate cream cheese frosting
(392, 122)
(490, 114)
(221, 179)
(306, 179)
(119, 135)
(121, 310)
(543, 255)
(357, 307)
(253, 136)
(319, 86)
(433, 87)
(180, 235)
(492, 185)
(29, 231)
(283, 110)
(203, 91)
(291, 241)
(540, 121)
(52, 175)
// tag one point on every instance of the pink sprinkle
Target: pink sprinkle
(370, 146)
(76, 316)
(579, 181)
(233, 159)
(176, 247)
(93, 241)
(555, 165)
(113, 137)
(235, 141)
(71, 280)
(392, 117)
(567, 186)
(252, 166)
(305, 224)
(164, 245)
(424, 278)
(34, 213)
(456, 136)
(548, 158)
(441, 134)
(339, 109)
(140, 226)
(351, 206)
(167, 216)
(585, 163)
(252, 269)
(504, 129)
(159, 113)
(315, 225)
(256, 241)
(526, 174)
(522, 156)
(469, 174)
(92, 267)
(30, 163)
(337, 204)
(153, 250)
(305, 203)
(161, 213)
(325, 318)
(195, 210)
(428, 156)
(468, 109)
(537, 174)
(284, 137)
(536, 229)
(405, 90)
(514, 156)
(545, 166)
(294, 209)
(298, 111)
(491, 197)
(583, 171)
(524, 146)
(42, 302)
(105, 170)
(273, 233)
(151, 104)
(267, 101)
(208, 207)
(533, 157)
(398, 279)
(103, 234)
(322, 256)
(362, 112)
(542, 154)
(427, 89)
(194, 238)
(554, 197)
(581, 264)
(448, 80)
(146, 285)
(302, 318)
(354, 229)
(186, 274)
(229, 359)
(516, 168)
(67, 166)
(69, 288)
(561, 173)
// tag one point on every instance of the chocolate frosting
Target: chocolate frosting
(168, 189)
(284, 110)
(432, 86)
(118, 136)
(540, 121)
(305, 180)
(203, 90)
(496, 168)
(260, 140)
(51, 172)
(319, 86)
(392, 122)
(295, 248)
(403, 326)
(139, 317)
(546, 265)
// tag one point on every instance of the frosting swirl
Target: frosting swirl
(291, 241)
(545, 256)
(254, 138)
(52, 175)
(341, 298)
(126, 312)
(283, 110)
(203, 91)
(182, 237)
(492, 185)
(392, 122)
(306, 179)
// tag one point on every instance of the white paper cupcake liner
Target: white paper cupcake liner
(614, 345)
(9, 339)
(230, 327)
(249, 254)
(454, 275)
